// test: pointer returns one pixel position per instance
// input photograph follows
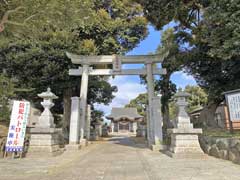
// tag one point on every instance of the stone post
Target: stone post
(157, 124)
(134, 127)
(74, 121)
(98, 127)
(83, 102)
(184, 138)
(150, 91)
(112, 127)
(88, 123)
(148, 125)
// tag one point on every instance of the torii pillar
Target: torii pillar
(154, 113)
(150, 91)
(83, 102)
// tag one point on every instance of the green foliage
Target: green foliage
(197, 99)
(100, 91)
(37, 35)
(173, 110)
(215, 60)
(97, 115)
(6, 92)
(33, 17)
(221, 29)
(223, 133)
(140, 102)
(161, 12)
(208, 32)
(170, 50)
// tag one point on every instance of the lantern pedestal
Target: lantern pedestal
(185, 144)
(45, 142)
(184, 138)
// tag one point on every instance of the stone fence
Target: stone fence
(224, 148)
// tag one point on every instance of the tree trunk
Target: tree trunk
(66, 112)
(207, 116)
(165, 104)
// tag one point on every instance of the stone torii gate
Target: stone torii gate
(78, 114)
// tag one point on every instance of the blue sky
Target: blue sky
(129, 87)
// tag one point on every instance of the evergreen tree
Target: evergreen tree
(36, 37)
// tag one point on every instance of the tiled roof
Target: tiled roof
(120, 113)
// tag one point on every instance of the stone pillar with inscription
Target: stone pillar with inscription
(157, 125)
(74, 125)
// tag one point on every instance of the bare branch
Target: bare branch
(5, 1)
(6, 15)
(29, 18)
(15, 23)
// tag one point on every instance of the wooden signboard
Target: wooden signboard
(233, 104)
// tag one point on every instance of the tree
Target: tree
(160, 12)
(22, 17)
(172, 62)
(210, 30)
(140, 102)
(6, 93)
(221, 29)
(173, 110)
(197, 99)
(96, 116)
(34, 52)
(212, 38)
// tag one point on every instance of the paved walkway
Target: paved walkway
(118, 159)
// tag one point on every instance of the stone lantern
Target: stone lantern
(183, 120)
(46, 119)
(45, 139)
(184, 138)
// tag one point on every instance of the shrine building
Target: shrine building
(124, 119)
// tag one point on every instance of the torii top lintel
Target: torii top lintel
(109, 59)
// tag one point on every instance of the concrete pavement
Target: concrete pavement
(119, 158)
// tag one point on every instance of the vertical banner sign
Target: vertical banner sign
(17, 127)
(233, 101)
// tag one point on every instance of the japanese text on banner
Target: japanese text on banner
(17, 127)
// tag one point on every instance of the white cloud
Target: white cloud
(184, 76)
(182, 79)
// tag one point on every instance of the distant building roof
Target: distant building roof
(196, 111)
(124, 113)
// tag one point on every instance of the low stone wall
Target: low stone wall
(224, 148)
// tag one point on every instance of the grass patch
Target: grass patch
(221, 133)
